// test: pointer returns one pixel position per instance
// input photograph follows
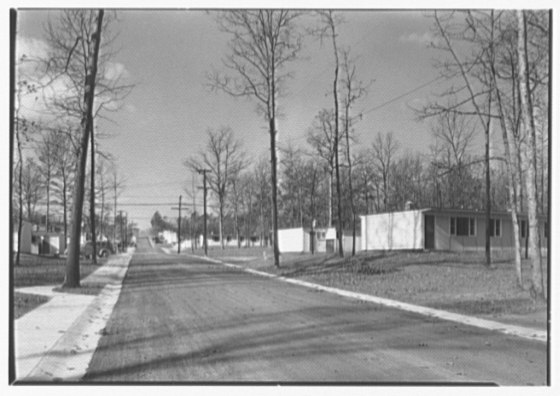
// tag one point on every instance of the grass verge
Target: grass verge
(44, 270)
(456, 282)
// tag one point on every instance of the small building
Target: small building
(49, 243)
(441, 229)
(324, 240)
(26, 237)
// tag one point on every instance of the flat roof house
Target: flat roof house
(441, 229)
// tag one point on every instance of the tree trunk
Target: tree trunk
(513, 181)
(274, 191)
(488, 192)
(336, 142)
(221, 223)
(48, 181)
(537, 285)
(65, 208)
(72, 276)
(20, 197)
(92, 198)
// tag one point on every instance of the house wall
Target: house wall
(396, 230)
(291, 240)
(25, 238)
(445, 241)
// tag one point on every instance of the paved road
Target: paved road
(187, 320)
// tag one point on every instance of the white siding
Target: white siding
(397, 230)
(291, 240)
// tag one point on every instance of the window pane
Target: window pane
(462, 226)
(498, 228)
(472, 228)
(452, 225)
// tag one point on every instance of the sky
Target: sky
(164, 120)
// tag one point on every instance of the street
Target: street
(184, 319)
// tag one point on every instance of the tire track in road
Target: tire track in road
(191, 321)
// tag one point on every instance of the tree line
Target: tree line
(496, 65)
(70, 88)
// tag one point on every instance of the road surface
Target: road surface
(183, 319)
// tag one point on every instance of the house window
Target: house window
(462, 226)
(523, 229)
(495, 228)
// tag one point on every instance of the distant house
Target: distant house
(324, 240)
(39, 242)
(441, 229)
(26, 237)
(49, 243)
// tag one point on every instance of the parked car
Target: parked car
(104, 249)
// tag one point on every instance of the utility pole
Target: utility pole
(204, 172)
(193, 225)
(179, 225)
(121, 229)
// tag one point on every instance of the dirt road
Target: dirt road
(182, 319)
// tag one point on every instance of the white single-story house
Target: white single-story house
(38, 242)
(324, 240)
(26, 237)
(441, 229)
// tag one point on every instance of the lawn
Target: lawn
(452, 281)
(44, 270)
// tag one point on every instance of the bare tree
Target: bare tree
(64, 174)
(328, 29)
(117, 186)
(352, 91)
(70, 41)
(224, 158)
(46, 150)
(263, 42)
(383, 151)
(32, 187)
(321, 138)
(22, 128)
(72, 278)
(528, 123)
(477, 99)
(261, 175)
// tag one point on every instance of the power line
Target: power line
(381, 105)
(401, 95)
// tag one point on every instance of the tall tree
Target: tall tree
(478, 94)
(72, 277)
(321, 138)
(224, 158)
(352, 90)
(528, 123)
(32, 187)
(383, 151)
(64, 173)
(263, 43)
(46, 150)
(22, 128)
(328, 29)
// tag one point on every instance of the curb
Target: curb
(512, 330)
(68, 357)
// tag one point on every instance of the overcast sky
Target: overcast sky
(167, 54)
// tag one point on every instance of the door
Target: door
(429, 232)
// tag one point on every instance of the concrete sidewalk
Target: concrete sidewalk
(55, 342)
